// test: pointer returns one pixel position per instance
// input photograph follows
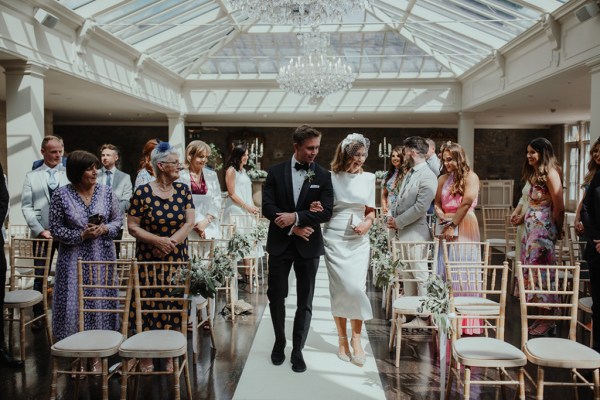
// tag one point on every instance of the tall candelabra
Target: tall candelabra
(385, 151)
(256, 153)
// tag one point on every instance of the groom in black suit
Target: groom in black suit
(295, 237)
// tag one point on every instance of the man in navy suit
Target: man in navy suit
(295, 237)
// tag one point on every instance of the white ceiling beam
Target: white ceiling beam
(179, 31)
(541, 6)
(214, 50)
(95, 8)
(413, 39)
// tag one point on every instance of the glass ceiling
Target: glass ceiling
(207, 39)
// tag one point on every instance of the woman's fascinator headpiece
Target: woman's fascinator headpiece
(354, 142)
(163, 146)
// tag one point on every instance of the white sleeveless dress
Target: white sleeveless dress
(243, 188)
(347, 253)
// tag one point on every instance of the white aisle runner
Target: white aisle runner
(327, 377)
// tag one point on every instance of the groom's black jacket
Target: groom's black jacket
(278, 197)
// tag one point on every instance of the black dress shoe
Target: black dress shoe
(37, 325)
(298, 364)
(8, 361)
(278, 354)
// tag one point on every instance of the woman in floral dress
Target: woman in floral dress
(70, 209)
(161, 216)
(544, 217)
(392, 180)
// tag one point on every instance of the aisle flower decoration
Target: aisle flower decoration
(202, 280)
(240, 246)
(381, 256)
(437, 302)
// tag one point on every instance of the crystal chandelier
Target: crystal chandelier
(314, 73)
(299, 12)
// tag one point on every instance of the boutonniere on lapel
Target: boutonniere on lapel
(310, 174)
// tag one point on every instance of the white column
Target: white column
(177, 133)
(595, 100)
(24, 126)
(466, 134)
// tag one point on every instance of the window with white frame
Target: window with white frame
(577, 155)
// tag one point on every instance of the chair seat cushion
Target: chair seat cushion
(585, 304)
(476, 305)
(154, 344)
(561, 353)
(92, 343)
(22, 298)
(487, 352)
(408, 304)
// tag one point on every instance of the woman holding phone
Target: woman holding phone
(85, 218)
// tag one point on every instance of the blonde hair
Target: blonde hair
(462, 167)
(341, 160)
(195, 148)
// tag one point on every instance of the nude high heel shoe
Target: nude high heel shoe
(344, 356)
(359, 357)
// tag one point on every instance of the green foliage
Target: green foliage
(215, 160)
(437, 302)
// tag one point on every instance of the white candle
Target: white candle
(379, 148)
(261, 148)
(252, 148)
(384, 143)
(256, 145)
(389, 149)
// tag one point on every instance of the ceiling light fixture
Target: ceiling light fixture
(315, 73)
(299, 12)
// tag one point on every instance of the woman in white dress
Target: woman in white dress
(206, 191)
(239, 185)
(347, 243)
(239, 200)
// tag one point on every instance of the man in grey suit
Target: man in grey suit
(111, 176)
(417, 191)
(35, 199)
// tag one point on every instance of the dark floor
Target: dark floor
(216, 374)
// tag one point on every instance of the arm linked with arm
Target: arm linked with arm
(308, 218)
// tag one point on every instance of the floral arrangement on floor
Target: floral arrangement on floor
(437, 303)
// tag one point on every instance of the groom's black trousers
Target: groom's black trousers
(279, 271)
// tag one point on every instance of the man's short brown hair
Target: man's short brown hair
(304, 132)
(109, 147)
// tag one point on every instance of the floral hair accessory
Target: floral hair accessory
(354, 142)
(163, 146)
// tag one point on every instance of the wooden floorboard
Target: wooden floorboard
(217, 373)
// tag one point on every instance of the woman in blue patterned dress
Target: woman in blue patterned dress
(161, 216)
(392, 180)
(544, 217)
(70, 208)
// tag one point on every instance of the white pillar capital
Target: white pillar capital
(18, 67)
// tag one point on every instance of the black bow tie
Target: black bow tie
(299, 166)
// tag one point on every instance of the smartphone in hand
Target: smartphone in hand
(95, 219)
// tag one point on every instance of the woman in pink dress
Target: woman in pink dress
(455, 200)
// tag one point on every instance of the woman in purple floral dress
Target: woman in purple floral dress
(70, 208)
(544, 217)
